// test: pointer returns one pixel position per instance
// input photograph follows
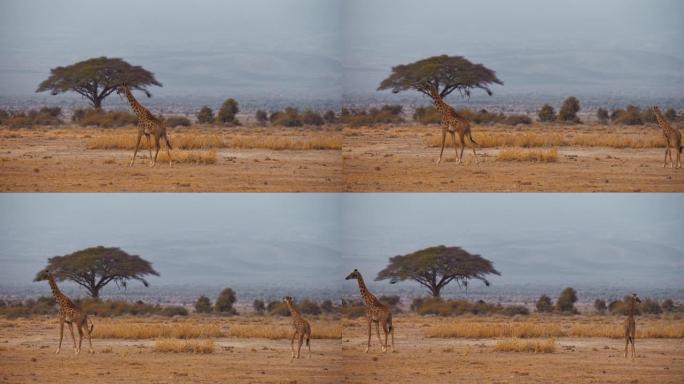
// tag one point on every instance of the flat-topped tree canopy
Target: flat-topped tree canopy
(446, 73)
(95, 267)
(97, 78)
(435, 267)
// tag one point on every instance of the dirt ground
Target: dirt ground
(27, 356)
(433, 360)
(44, 160)
(397, 159)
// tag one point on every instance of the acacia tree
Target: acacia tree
(93, 268)
(435, 267)
(446, 73)
(97, 78)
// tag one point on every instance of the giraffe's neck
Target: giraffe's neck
(138, 109)
(61, 299)
(631, 308)
(368, 297)
(439, 103)
(662, 122)
(294, 311)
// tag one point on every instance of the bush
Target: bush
(566, 301)
(387, 114)
(310, 117)
(621, 307)
(600, 306)
(544, 304)
(288, 118)
(203, 305)
(512, 310)
(329, 117)
(352, 309)
(671, 114)
(224, 302)
(30, 118)
(517, 119)
(226, 115)
(309, 307)
(546, 113)
(650, 306)
(104, 119)
(427, 115)
(261, 117)
(569, 109)
(205, 115)
(174, 310)
(278, 308)
(327, 306)
(4, 116)
(648, 116)
(440, 307)
(602, 116)
(177, 121)
(668, 305)
(629, 116)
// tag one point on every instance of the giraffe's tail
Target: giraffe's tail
(470, 137)
(168, 143)
(92, 326)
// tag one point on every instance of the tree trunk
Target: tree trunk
(94, 292)
(97, 103)
(435, 291)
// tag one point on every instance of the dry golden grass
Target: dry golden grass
(519, 345)
(535, 155)
(648, 331)
(318, 331)
(311, 142)
(191, 157)
(534, 139)
(184, 346)
(480, 330)
(126, 140)
(125, 330)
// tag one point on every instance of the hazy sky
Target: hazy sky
(317, 48)
(306, 239)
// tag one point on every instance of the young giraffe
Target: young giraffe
(148, 125)
(630, 324)
(302, 328)
(452, 122)
(673, 138)
(68, 313)
(376, 312)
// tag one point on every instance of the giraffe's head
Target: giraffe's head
(288, 300)
(42, 275)
(636, 298)
(434, 92)
(354, 275)
(656, 109)
(121, 89)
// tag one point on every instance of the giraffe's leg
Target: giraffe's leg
(61, 334)
(667, 151)
(472, 146)
(149, 146)
(460, 156)
(87, 332)
(80, 336)
(292, 344)
(156, 153)
(137, 145)
(679, 154)
(369, 334)
(377, 332)
(308, 343)
(301, 341)
(671, 162)
(386, 331)
(168, 150)
(626, 345)
(453, 138)
(444, 131)
(633, 347)
(392, 332)
(71, 330)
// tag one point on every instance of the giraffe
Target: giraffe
(376, 312)
(69, 313)
(630, 324)
(673, 139)
(148, 125)
(302, 328)
(452, 122)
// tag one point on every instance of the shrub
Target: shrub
(329, 117)
(544, 304)
(352, 309)
(226, 115)
(387, 114)
(427, 115)
(629, 116)
(310, 117)
(517, 119)
(177, 121)
(174, 310)
(288, 118)
(671, 114)
(650, 306)
(441, 307)
(27, 119)
(668, 305)
(258, 306)
(224, 302)
(278, 308)
(392, 302)
(205, 115)
(602, 115)
(203, 305)
(261, 117)
(566, 301)
(103, 119)
(309, 307)
(4, 116)
(648, 116)
(621, 307)
(600, 306)
(512, 310)
(569, 109)
(546, 113)
(327, 306)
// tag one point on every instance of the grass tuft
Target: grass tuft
(319, 331)
(184, 346)
(519, 345)
(278, 143)
(152, 331)
(535, 155)
(482, 330)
